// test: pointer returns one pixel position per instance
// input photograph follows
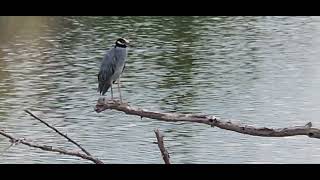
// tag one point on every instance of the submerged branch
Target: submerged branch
(164, 152)
(14, 140)
(57, 131)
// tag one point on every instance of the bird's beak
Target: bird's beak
(128, 43)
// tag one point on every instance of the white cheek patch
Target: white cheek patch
(120, 43)
(127, 41)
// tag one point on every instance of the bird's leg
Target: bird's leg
(119, 90)
(111, 92)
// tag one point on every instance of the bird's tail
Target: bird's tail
(103, 87)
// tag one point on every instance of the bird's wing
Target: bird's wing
(107, 68)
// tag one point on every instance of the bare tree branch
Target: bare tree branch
(164, 152)
(307, 130)
(49, 148)
(57, 131)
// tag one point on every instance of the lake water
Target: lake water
(260, 71)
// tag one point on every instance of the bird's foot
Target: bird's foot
(105, 100)
(120, 102)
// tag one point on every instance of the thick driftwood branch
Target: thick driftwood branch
(57, 131)
(164, 152)
(103, 104)
(49, 148)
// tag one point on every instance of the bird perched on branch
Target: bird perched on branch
(112, 66)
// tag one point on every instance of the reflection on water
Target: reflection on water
(262, 71)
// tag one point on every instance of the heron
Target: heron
(112, 66)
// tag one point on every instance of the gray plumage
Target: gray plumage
(112, 65)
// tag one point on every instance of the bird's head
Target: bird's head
(122, 42)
